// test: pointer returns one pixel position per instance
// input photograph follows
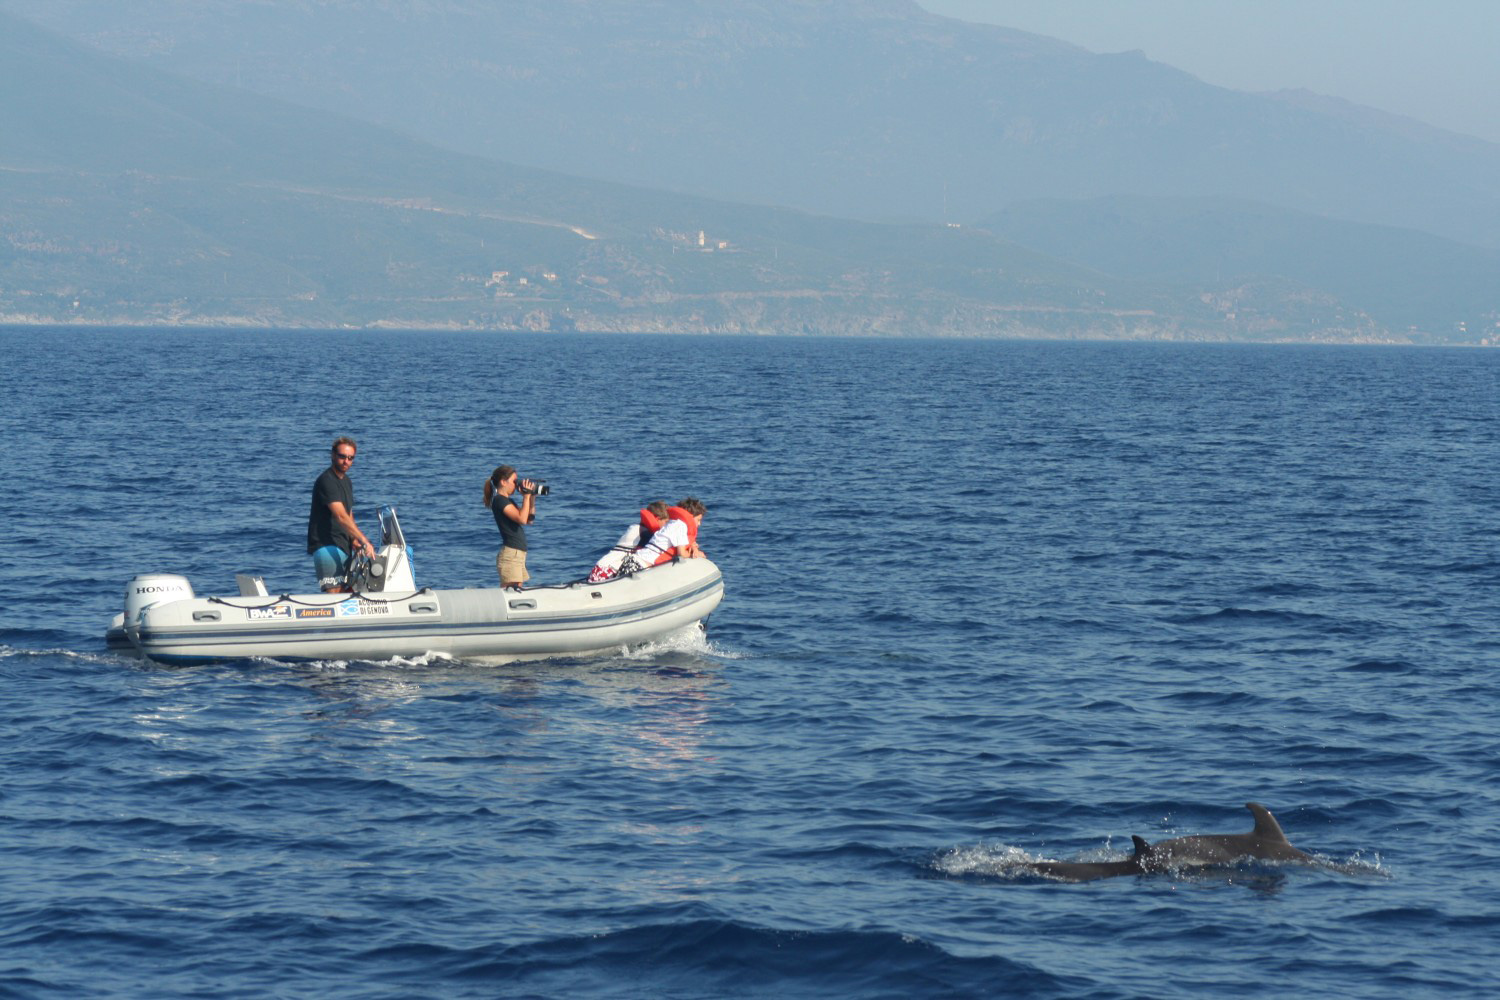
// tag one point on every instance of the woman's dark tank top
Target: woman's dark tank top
(512, 533)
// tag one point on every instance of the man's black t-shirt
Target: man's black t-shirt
(322, 529)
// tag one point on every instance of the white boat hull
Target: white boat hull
(487, 625)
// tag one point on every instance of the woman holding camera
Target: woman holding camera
(512, 519)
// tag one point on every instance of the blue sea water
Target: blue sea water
(987, 602)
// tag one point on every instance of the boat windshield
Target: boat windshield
(390, 528)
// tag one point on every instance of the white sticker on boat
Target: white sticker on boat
(264, 614)
(354, 607)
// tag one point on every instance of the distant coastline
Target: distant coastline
(1142, 334)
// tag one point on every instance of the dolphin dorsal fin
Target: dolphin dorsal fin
(1142, 849)
(1266, 827)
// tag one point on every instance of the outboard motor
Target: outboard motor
(154, 588)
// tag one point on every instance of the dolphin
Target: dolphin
(1087, 871)
(1266, 842)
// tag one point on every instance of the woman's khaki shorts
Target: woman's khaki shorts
(511, 564)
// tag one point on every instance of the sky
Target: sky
(1434, 60)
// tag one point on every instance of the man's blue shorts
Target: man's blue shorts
(330, 563)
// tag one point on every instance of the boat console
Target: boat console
(391, 569)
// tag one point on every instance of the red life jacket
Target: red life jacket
(678, 514)
(650, 524)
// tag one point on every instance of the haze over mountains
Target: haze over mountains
(1093, 191)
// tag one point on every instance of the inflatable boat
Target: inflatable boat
(385, 615)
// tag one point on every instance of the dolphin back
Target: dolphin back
(1267, 841)
(1088, 871)
(1270, 839)
(1266, 828)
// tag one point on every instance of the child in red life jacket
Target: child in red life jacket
(653, 516)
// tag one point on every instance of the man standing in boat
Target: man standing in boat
(331, 531)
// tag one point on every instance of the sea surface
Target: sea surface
(987, 603)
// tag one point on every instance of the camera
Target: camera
(540, 488)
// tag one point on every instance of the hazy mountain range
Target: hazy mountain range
(605, 164)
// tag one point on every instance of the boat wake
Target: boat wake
(690, 640)
(8, 651)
